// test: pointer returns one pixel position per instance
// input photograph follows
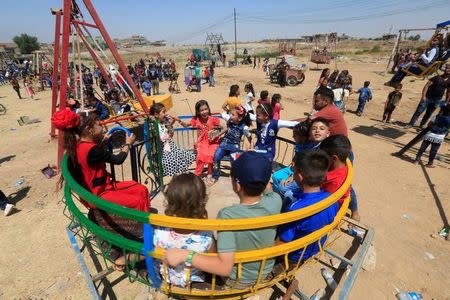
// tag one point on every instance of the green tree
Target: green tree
(26, 43)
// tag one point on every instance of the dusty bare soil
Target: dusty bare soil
(406, 204)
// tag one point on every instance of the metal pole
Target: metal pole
(94, 56)
(394, 51)
(235, 39)
(55, 66)
(64, 69)
(114, 52)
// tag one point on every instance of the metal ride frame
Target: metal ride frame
(98, 241)
(440, 26)
(73, 22)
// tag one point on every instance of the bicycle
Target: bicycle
(2, 109)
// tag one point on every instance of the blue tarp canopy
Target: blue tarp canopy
(443, 24)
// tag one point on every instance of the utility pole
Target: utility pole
(235, 39)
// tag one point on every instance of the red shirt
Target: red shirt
(335, 178)
(264, 101)
(333, 115)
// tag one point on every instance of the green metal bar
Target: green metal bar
(100, 232)
(110, 207)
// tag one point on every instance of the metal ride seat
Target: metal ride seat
(425, 70)
(101, 241)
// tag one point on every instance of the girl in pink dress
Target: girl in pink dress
(276, 106)
(29, 87)
(207, 142)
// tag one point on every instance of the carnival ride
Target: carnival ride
(436, 65)
(100, 230)
(320, 54)
(294, 75)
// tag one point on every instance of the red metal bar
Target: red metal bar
(64, 69)
(84, 23)
(55, 66)
(123, 119)
(114, 52)
(94, 56)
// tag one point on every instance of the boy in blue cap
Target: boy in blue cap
(250, 174)
(310, 170)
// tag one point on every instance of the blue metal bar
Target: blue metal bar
(341, 258)
(149, 247)
(348, 284)
(87, 276)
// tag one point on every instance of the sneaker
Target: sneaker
(8, 209)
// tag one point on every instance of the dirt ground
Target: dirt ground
(406, 204)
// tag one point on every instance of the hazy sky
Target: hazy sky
(187, 21)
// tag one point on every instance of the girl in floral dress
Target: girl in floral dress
(186, 198)
(174, 159)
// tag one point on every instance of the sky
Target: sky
(186, 22)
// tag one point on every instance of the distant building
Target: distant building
(8, 52)
(387, 37)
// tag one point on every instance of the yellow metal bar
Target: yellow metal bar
(253, 223)
(279, 250)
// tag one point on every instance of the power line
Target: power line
(247, 18)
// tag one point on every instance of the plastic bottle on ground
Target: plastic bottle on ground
(329, 278)
(409, 296)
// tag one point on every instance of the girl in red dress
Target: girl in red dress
(207, 142)
(84, 142)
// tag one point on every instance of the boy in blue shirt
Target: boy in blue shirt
(147, 87)
(310, 170)
(365, 95)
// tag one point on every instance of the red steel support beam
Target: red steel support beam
(94, 56)
(64, 69)
(55, 73)
(84, 23)
(114, 52)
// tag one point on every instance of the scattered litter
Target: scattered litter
(49, 171)
(356, 231)
(429, 256)
(440, 158)
(409, 296)
(12, 129)
(444, 232)
(25, 120)
(319, 294)
(19, 182)
(406, 217)
(328, 278)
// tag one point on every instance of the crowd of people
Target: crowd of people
(318, 169)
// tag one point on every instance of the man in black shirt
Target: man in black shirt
(432, 97)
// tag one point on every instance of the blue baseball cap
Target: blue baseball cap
(252, 169)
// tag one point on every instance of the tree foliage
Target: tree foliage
(414, 37)
(27, 43)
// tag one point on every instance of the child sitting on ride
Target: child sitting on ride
(338, 148)
(174, 159)
(264, 97)
(84, 142)
(283, 180)
(238, 123)
(185, 198)
(267, 129)
(207, 142)
(250, 174)
(310, 169)
(232, 99)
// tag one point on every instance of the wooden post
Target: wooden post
(394, 51)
